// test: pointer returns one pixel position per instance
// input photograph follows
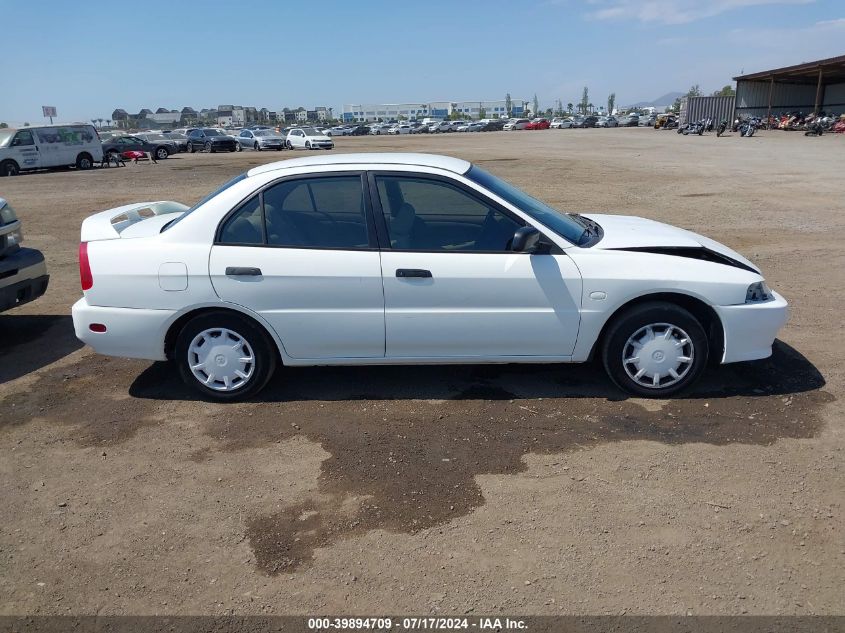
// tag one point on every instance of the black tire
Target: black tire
(9, 168)
(84, 161)
(190, 149)
(629, 322)
(256, 147)
(263, 350)
(209, 148)
(161, 153)
(288, 145)
(307, 144)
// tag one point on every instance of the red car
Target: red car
(538, 124)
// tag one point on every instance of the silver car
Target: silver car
(260, 140)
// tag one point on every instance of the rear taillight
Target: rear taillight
(85, 276)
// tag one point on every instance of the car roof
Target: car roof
(448, 163)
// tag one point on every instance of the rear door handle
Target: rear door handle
(412, 272)
(242, 271)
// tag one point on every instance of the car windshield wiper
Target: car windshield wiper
(591, 228)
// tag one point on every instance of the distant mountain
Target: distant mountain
(667, 99)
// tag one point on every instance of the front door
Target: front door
(24, 150)
(302, 253)
(454, 288)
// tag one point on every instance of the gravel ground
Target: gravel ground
(516, 489)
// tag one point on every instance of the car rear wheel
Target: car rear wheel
(161, 153)
(84, 161)
(224, 356)
(9, 168)
(655, 350)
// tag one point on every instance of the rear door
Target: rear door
(303, 254)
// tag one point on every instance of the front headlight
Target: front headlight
(7, 214)
(14, 238)
(758, 292)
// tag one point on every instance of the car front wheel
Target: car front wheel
(655, 350)
(224, 356)
(162, 153)
(9, 168)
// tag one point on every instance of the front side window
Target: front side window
(24, 137)
(431, 215)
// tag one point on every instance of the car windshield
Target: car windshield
(210, 132)
(310, 131)
(155, 137)
(562, 223)
(174, 135)
(263, 133)
(214, 193)
(6, 136)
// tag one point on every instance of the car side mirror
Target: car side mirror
(527, 240)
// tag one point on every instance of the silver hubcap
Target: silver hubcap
(658, 355)
(221, 359)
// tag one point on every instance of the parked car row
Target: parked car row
(207, 139)
(487, 125)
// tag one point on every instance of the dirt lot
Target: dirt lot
(533, 490)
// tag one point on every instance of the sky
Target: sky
(89, 57)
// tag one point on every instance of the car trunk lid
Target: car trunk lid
(131, 220)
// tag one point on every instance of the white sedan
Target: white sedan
(366, 259)
(308, 138)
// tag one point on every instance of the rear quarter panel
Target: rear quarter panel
(150, 273)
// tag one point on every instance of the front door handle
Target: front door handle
(242, 271)
(412, 272)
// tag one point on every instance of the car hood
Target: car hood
(625, 232)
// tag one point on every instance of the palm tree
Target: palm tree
(108, 122)
(569, 107)
(94, 121)
(590, 106)
(100, 121)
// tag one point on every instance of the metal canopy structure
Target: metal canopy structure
(832, 70)
(811, 86)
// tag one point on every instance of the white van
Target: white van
(43, 146)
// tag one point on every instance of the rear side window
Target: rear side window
(326, 212)
(317, 213)
(246, 226)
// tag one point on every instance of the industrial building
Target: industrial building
(809, 87)
(364, 112)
